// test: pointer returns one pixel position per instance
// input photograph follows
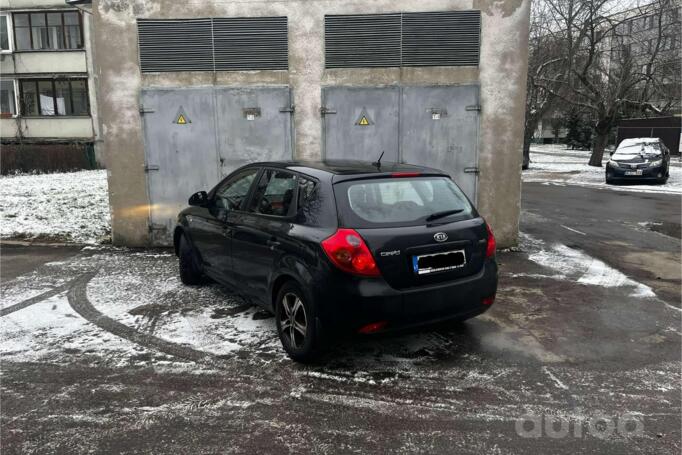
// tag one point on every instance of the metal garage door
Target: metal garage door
(439, 128)
(254, 124)
(360, 123)
(432, 126)
(194, 137)
(181, 156)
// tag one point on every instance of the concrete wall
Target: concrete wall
(501, 74)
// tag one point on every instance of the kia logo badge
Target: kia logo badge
(440, 237)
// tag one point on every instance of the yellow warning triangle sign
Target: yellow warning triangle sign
(364, 119)
(181, 117)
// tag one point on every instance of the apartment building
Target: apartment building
(650, 39)
(47, 102)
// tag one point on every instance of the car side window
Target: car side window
(231, 194)
(274, 194)
(305, 192)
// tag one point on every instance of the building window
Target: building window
(653, 43)
(7, 99)
(4, 34)
(48, 31)
(54, 97)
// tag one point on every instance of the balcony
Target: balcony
(43, 62)
(47, 128)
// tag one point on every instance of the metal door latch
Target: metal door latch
(145, 110)
(474, 107)
(288, 110)
(471, 170)
(151, 167)
(325, 111)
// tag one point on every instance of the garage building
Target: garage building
(190, 90)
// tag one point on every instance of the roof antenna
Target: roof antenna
(377, 163)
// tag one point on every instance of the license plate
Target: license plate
(438, 262)
(637, 172)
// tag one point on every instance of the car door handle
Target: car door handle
(272, 244)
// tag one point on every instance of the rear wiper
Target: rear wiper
(443, 214)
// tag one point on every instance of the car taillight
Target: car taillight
(492, 245)
(349, 252)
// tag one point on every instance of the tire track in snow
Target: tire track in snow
(44, 296)
(78, 300)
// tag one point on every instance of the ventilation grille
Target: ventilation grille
(250, 43)
(450, 38)
(370, 40)
(175, 45)
(219, 44)
(441, 39)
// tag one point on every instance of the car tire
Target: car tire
(190, 270)
(297, 327)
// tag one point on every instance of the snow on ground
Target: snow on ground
(50, 328)
(142, 291)
(558, 165)
(574, 264)
(71, 206)
(571, 264)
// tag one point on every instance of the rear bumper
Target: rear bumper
(351, 303)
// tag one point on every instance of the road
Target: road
(105, 351)
(637, 233)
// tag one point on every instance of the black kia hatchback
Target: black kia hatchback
(341, 246)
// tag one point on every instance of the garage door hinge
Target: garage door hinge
(157, 227)
(471, 170)
(324, 111)
(151, 167)
(289, 109)
(474, 107)
(145, 110)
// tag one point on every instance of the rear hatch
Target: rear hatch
(411, 246)
(402, 253)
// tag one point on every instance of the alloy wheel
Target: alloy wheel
(293, 320)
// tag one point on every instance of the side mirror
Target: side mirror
(199, 199)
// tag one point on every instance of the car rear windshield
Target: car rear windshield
(400, 202)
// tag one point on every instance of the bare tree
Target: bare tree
(589, 74)
(544, 53)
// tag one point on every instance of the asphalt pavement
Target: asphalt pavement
(103, 350)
